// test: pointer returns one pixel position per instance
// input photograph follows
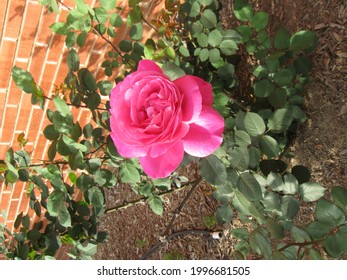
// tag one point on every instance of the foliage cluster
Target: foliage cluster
(249, 173)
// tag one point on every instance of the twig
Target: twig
(195, 184)
(127, 204)
(156, 246)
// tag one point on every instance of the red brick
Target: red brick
(3, 151)
(7, 131)
(44, 32)
(15, 18)
(4, 200)
(24, 204)
(35, 124)
(56, 47)
(3, 4)
(47, 77)
(6, 60)
(40, 147)
(38, 60)
(24, 113)
(12, 212)
(83, 52)
(29, 30)
(18, 189)
(10, 225)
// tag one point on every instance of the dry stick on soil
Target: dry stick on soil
(127, 204)
(194, 184)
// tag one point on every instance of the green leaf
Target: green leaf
(136, 31)
(204, 55)
(156, 204)
(60, 28)
(280, 120)
(249, 186)
(70, 39)
(299, 234)
(105, 178)
(289, 207)
(202, 40)
(311, 191)
(339, 196)
(254, 124)
(303, 65)
(73, 60)
(283, 77)
(278, 99)
(108, 4)
(254, 157)
(275, 228)
(96, 198)
(224, 214)
(242, 10)
(240, 233)
(329, 213)
(208, 19)
(81, 39)
(82, 6)
(93, 100)
(11, 174)
(75, 160)
(215, 38)
(290, 184)
(317, 229)
(194, 9)
(245, 32)
(269, 146)
(73, 145)
(57, 208)
(135, 16)
(242, 138)
(303, 41)
(263, 88)
(105, 87)
(228, 47)
(282, 38)
(260, 244)
(184, 51)
(239, 158)
(87, 79)
(101, 15)
(88, 249)
(116, 20)
(172, 71)
(213, 170)
(335, 244)
(50, 133)
(275, 182)
(260, 20)
(129, 173)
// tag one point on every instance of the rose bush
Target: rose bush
(157, 120)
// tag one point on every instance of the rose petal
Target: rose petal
(163, 165)
(128, 148)
(192, 102)
(205, 90)
(148, 65)
(205, 135)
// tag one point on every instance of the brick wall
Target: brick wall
(27, 42)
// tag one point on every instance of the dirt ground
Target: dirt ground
(319, 145)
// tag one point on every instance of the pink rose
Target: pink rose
(157, 120)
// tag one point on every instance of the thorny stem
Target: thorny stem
(148, 23)
(301, 244)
